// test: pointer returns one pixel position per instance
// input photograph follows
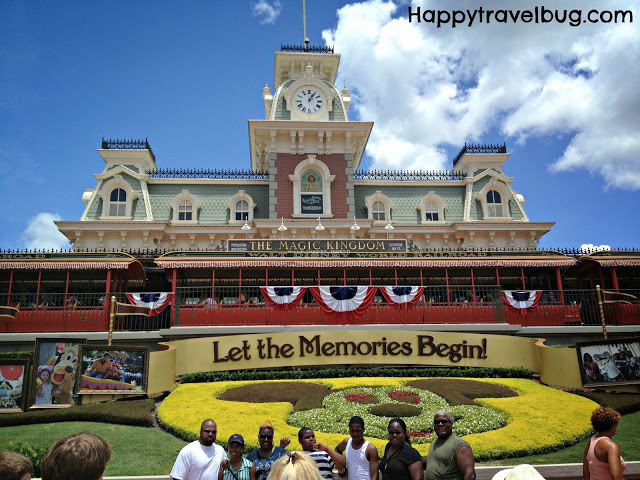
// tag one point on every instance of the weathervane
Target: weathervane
(305, 40)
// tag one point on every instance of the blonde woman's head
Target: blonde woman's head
(295, 466)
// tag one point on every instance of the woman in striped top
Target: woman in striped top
(602, 460)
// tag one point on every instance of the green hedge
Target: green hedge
(9, 355)
(297, 374)
(35, 454)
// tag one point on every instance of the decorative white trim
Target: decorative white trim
(379, 197)
(175, 207)
(505, 194)
(440, 205)
(105, 193)
(312, 163)
(238, 197)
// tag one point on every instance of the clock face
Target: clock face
(309, 100)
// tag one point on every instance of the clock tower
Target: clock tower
(307, 143)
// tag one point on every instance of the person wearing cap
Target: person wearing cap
(450, 457)
(237, 467)
(200, 460)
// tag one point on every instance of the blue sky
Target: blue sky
(188, 76)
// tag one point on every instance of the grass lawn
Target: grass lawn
(136, 450)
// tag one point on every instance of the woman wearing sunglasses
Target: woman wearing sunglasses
(265, 456)
(400, 461)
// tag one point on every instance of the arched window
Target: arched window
(379, 211)
(431, 212)
(494, 204)
(379, 207)
(117, 199)
(185, 208)
(117, 203)
(242, 210)
(311, 181)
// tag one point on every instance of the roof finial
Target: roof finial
(304, 25)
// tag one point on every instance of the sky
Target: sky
(188, 75)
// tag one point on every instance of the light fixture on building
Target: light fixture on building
(282, 228)
(355, 227)
(246, 229)
(319, 228)
(388, 228)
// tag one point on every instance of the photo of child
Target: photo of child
(44, 385)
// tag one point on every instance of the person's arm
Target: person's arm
(464, 458)
(339, 462)
(613, 459)
(415, 470)
(342, 446)
(374, 460)
(252, 472)
(284, 442)
(586, 475)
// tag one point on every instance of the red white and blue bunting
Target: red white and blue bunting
(157, 302)
(521, 300)
(283, 298)
(402, 297)
(350, 302)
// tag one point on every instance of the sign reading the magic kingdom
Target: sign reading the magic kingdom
(366, 246)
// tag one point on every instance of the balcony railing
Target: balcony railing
(89, 312)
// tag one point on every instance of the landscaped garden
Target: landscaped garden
(506, 420)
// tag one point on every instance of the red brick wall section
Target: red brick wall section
(287, 163)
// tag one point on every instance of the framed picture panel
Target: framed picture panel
(608, 362)
(119, 369)
(55, 369)
(14, 377)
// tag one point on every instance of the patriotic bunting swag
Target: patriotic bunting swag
(283, 298)
(348, 302)
(402, 297)
(157, 302)
(521, 300)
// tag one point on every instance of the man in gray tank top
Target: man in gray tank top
(362, 456)
(450, 457)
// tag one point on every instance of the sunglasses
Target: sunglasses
(440, 422)
(395, 432)
(210, 431)
(265, 437)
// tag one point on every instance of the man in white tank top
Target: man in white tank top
(362, 456)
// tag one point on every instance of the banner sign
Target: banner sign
(333, 246)
(311, 204)
(353, 347)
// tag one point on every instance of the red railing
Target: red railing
(86, 314)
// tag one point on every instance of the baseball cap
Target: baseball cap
(236, 437)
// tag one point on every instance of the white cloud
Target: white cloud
(590, 247)
(42, 233)
(267, 12)
(429, 88)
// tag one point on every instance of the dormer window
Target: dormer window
(241, 208)
(494, 204)
(117, 199)
(185, 208)
(432, 209)
(379, 211)
(379, 207)
(117, 203)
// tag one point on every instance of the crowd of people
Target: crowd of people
(84, 456)
(355, 458)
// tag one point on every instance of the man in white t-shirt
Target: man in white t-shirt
(200, 460)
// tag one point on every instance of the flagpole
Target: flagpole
(112, 317)
(604, 325)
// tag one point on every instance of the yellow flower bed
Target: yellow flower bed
(536, 423)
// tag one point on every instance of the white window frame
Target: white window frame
(312, 163)
(115, 183)
(184, 196)
(440, 207)
(238, 197)
(505, 195)
(379, 197)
